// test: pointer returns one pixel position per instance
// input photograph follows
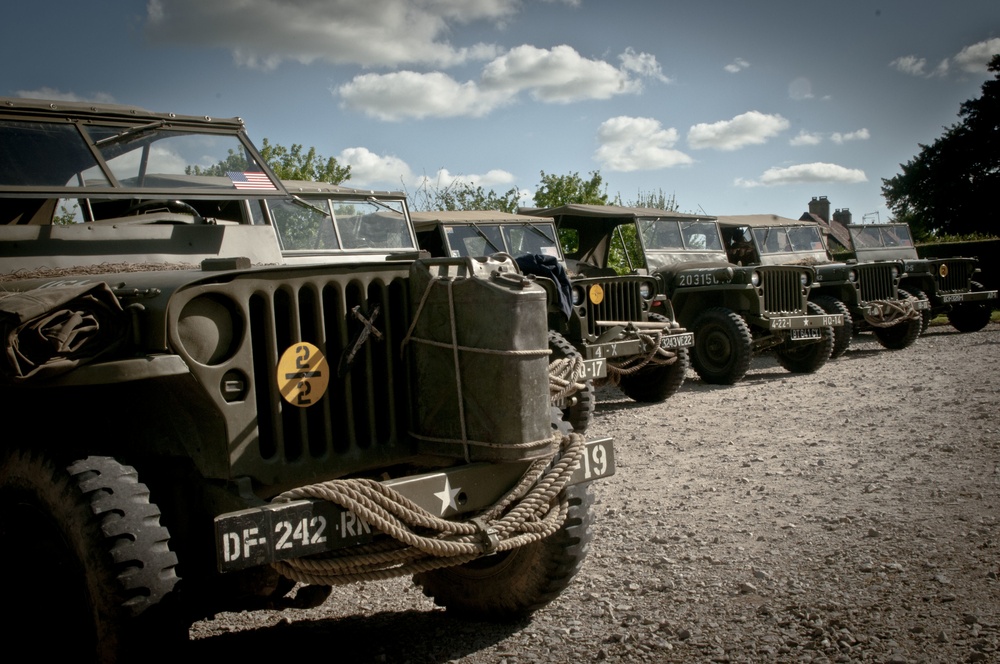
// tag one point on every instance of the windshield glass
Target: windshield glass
(787, 240)
(875, 237)
(475, 240)
(673, 235)
(319, 224)
(531, 239)
(46, 154)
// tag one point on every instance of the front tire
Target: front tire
(88, 557)
(723, 346)
(581, 412)
(799, 357)
(508, 586)
(971, 316)
(655, 383)
(903, 334)
(841, 335)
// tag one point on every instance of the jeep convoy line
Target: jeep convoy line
(219, 390)
(947, 283)
(866, 293)
(624, 331)
(733, 311)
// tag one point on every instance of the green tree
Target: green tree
(950, 186)
(658, 200)
(460, 195)
(295, 164)
(556, 190)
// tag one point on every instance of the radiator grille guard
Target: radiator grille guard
(876, 282)
(953, 276)
(621, 302)
(783, 290)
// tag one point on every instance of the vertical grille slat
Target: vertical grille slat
(622, 302)
(956, 280)
(782, 291)
(876, 282)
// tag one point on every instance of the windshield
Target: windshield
(672, 235)
(320, 224)
(787, 240)
(475, 240)
(138, 157)
(876, 237)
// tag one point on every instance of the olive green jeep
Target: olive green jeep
(865, 293)
(733, 311)
(947, 283)
(220, 396)
(607, 319)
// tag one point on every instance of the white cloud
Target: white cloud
(444, 178)
(737, 65)
(265, 33)
(751, 128)
(368, 168)
(56, 95)
(806, 138)
(633, 144)
(557, 75)
(859, 135)
(643, 64)
(914, 66)
(975, 58)
(815, 173)
(407, 94)
(800, 88)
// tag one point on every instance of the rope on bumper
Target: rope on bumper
(892, 312)
(656, 355)
(420, 541)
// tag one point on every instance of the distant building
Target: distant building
(835, 228)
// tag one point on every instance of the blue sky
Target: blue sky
(731, 107)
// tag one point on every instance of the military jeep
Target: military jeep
(947, 283)
(733, 311)
(865, 293)
(221, 397)
(605, 318)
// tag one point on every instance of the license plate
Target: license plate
(677, 341)
(808, 333)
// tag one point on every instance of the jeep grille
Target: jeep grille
(958, 275)
(876, 282)
(622, 302)
(782, 289)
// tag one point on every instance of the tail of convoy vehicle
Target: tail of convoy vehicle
(947, 283)
(733, 311)
(865, 293)
(215, 391)
(607, 319)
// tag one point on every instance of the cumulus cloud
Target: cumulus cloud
(444, 178)
(975, 58)
(859, 135)
(643, 64)
(751, 128)
(736, 66)
(806, 138)
(914, 66)
(557, 75)
(633, 144)
(369, 169)
(264, 33)
(57, 95)
(815, 173)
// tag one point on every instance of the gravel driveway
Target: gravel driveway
(844, 516)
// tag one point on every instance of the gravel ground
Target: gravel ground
(844, 516)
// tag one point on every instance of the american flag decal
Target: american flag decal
(250, 180)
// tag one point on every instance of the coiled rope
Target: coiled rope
(892, 312)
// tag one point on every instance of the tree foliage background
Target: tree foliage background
(951, 186)
(295, 164)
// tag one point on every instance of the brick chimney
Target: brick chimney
(842, 216)
(820, 206)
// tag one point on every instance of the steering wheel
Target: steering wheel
(172, 206)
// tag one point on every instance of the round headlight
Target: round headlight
(852, 276)
(578, 295)
(646, 290)
(895, 272)
(209, 328)
(804, 278)
(755, 279)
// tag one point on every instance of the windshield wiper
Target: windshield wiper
(476, 228)
(128, 133)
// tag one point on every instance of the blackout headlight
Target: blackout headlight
(578, 295)
(755, 279)
(646, 290)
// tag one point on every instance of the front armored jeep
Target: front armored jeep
(223, 397)
(733, 311)
(947, 283)
(866, 294)
(605, 318)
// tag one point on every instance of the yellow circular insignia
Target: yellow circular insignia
(303, 374)
(943, 270)
(596, 294)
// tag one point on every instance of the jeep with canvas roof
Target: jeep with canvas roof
(225, 397)
(607, 318)
(866, 294)
(947, 283)
(733, 311)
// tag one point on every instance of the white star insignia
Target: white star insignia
(447, 496)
